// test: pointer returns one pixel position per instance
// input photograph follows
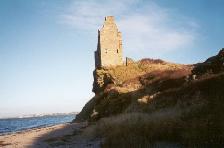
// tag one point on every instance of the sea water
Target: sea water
(19, 124)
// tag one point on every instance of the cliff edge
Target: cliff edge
(158, 104)
(122, 88)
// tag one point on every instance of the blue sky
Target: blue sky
(47, 46)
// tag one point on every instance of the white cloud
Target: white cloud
(146, 27)
(88, 14)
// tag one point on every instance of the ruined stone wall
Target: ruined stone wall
(109, 48)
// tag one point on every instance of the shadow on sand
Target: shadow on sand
(66, 136)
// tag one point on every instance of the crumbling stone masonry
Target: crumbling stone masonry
(109, 47)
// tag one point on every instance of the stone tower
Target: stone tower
(109, 47)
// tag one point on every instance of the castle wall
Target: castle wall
(109, 48)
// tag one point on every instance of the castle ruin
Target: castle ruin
(109, 47)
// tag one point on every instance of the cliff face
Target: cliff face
(123, 88)
(133, 88)
(212, 65)
(155, 101)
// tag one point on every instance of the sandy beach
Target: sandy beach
(63, 135)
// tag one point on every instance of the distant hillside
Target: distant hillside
(213, 65)
(155, 101)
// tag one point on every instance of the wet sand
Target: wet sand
(63, 135)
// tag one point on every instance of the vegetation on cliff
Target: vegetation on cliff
(152, 102)
(120, 89)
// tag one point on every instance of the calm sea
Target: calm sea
(19, 124)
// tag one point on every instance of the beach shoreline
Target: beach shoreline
(60, 135)
(30, 129)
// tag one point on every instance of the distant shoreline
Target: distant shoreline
(32, 128)
(37, 115)
(15, 125)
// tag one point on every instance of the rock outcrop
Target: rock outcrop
(212, 65)
(124, 89)
(118, 89)
(155, 101)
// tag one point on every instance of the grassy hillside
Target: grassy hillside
(191, 115)
(155, 103)
(118, 89)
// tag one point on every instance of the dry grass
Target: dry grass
(189, 116)
(135, 130)
(144, 130)
(115, 99)
(142, 67)
(174, 109)
(124, 73)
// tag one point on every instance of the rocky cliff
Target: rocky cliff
(152, 102)
(122, 88)
(212, 65)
